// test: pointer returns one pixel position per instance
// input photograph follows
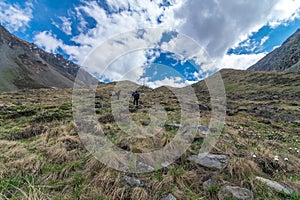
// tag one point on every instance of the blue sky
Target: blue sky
(233, 34)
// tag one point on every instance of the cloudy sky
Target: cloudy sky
(188, 39)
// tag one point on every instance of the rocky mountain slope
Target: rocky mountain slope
(24, 65)
(284, 58)
(256, 157)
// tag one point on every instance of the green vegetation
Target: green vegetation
(41, 154)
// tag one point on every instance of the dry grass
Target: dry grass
(63, 168)
(139, 194)
(243, 168)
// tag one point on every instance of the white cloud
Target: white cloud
(263, 40)
(109, 25)
(168, 81)
(215, 25)
(284, 10)
(14, 17)
(242, 61)
(126, 68)
(65, 25)
(218, 25)
(48, 41)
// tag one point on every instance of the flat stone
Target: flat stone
(232, 192)
(144, 167)
(131, 182)
(210, 160)
(275, 186)
(168, 197)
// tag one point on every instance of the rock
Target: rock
(231, 112)
(242, 109)
(165, 164)
(208, 184)
(287, 117)
(264, 121)
(144, 167)
(168, 197)
(296, 121)
(204, 129)
(231, 192)
(163, 103)
(210, 160)
(131, 182)
(275, 186)
(175, 125)
(204, 107)
(132, 109)
(100, 105)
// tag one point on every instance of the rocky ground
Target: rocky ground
(256, 157)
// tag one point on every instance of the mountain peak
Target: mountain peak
(24, 65)
(284, 58)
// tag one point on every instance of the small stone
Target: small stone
(144, 167)
(210, 160)
(131, 182)
(275, 186)
(175, 125)
(208, 184)
(168, 197)
(100, 105)
(231, 192)
(204, 129)
(204, 108)
(264, 121)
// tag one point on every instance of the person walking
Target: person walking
(136, 97)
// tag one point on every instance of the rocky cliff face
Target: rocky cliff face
(284, 58)
(24, 65)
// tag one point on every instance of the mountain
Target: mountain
(284, 58)
(24, 65)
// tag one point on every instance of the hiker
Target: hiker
(136, 97)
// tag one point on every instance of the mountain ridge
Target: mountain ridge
(284, 58)
(24, 65)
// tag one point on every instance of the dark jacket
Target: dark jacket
(136, 95)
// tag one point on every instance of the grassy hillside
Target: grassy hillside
(42, 156)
